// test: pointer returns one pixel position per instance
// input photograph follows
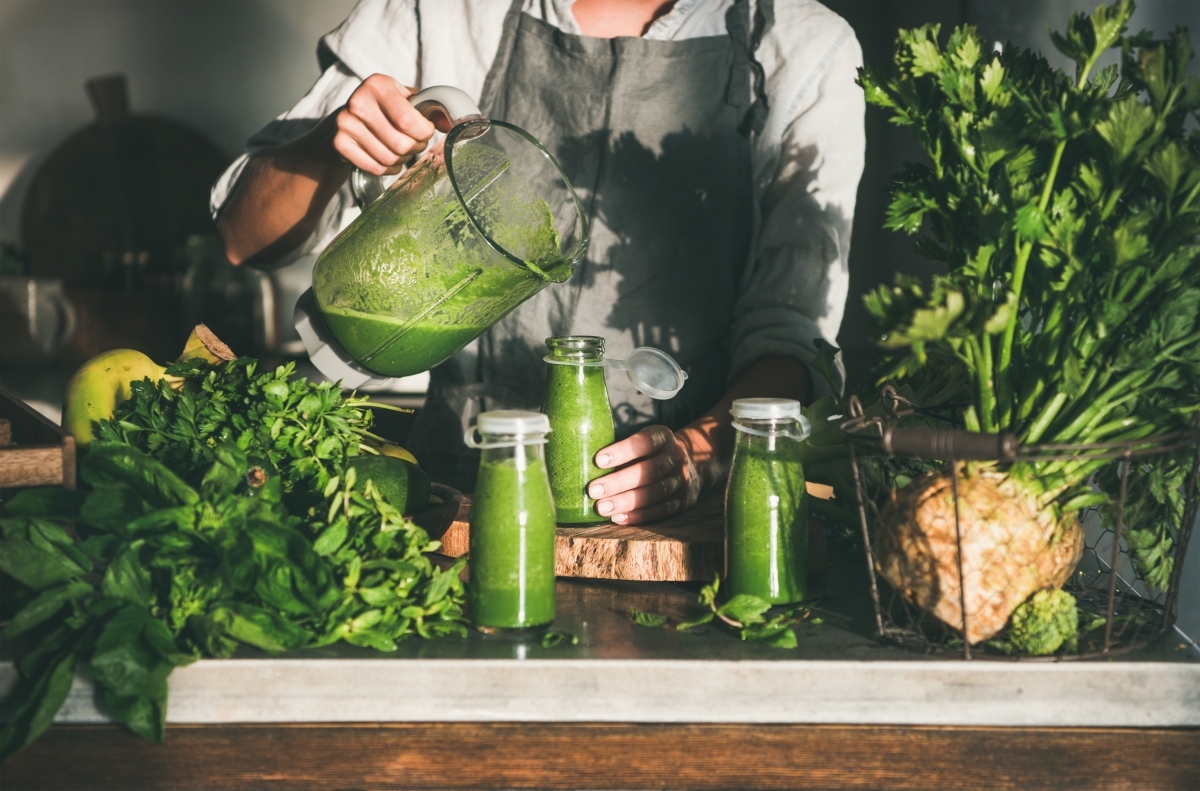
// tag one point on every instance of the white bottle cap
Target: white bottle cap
(652, 371)
(512, 421)
(766, 409)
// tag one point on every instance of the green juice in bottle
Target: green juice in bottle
(766, 507)
(512, 525)
(581, 421)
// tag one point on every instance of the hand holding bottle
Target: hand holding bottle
(662, 481)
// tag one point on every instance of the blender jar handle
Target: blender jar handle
(453, 102)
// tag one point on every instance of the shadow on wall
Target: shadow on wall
(224, 67)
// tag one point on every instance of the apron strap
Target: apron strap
(745, 44)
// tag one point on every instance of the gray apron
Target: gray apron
(655, 138)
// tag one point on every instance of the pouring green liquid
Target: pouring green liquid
(414, 279)
(401, 351)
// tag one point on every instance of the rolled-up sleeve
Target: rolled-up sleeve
(378, 36)
(796, 281)
(330, 92)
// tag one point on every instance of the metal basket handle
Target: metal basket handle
(936, 443)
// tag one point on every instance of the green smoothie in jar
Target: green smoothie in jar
(581, 418)
(512, 525)
(766, 507)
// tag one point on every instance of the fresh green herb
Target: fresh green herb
(747, 614)
(942, 382)
(649, 619)
(551, 639)
(301, 431)
(265, 540)
(1067, 210)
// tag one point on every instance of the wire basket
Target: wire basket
(1120, 610)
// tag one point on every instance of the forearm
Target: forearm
(281, 196)
(709, 440)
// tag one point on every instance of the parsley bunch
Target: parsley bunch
(1067, 209)
(305, 432)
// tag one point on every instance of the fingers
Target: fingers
(378, 127)
(635, 475)
(646, 442)
(629, 501)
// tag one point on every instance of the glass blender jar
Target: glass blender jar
(482, 221)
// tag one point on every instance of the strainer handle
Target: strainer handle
(455, 103)
(942, 444)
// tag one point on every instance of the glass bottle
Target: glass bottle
(512, 525)
(581, 418)
(766, 510)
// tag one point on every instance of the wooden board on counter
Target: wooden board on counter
(33, 451)
(687, 547)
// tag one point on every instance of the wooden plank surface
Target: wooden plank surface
(686, 547)
(31, 465)
(40, 453)
(607, 756)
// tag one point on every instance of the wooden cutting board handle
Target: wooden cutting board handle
(110, 98)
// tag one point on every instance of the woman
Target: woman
(716, 146)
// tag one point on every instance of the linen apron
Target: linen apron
(655, 138)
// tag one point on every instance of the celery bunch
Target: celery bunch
(1067, 208)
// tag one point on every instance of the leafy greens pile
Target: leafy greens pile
(220, 516)
(1067, 210)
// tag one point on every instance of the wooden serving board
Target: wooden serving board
(687, 547)
(33, 451)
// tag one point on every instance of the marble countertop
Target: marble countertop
(620, 672)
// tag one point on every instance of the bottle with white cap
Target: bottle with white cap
(766, 510)
(512, 524)
(581, 418)
(581, 415)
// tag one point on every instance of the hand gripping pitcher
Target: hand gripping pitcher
(480, 223)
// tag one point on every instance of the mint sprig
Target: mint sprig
(744, 612)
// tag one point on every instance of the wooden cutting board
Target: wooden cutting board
(690, 546)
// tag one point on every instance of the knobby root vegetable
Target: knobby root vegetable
(1010, 548)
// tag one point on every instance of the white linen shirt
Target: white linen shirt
(806, 163)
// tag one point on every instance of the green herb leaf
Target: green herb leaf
(45, 606)
(746, 608)
(47, 502)
(703, 619)
(652, 620)
(42, 700)
(552, 639)
(126, 579)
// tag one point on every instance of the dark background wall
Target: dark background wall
(224, 67)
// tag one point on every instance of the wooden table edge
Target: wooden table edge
(607, 755)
